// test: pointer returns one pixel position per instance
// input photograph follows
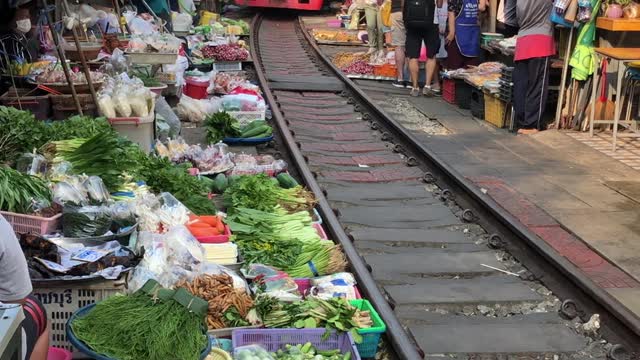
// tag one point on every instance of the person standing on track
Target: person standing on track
(421, 25)
(507, 21)
(15, 288)
(463, 40)
(374, 25)
(398, 38)
(531, 72)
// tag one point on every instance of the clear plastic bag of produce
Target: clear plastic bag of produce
(193, 110)
(96, 190)
(85, 221)
(106, 105)
(59, 170)
(251, 352)
(254, 270)
(32, 164)
(632, 10)
(274, 284)
(335, 285)
(121, 102)
(138, 102)
(183, 249)
(123, 215)
(215, 269)
(67, 192)
(243, 102)
(165, 111)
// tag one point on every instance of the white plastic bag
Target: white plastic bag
(138, 102)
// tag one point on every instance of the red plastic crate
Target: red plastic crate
(449, 91)
(284, 4)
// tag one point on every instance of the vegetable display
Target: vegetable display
(139, 326)
(206, 225)
(261, 192)
(104, 155)
(335, 313)
(308, 352)
(225, 52)
(286, 241)
(21, 193)
(228, 307)
(162, 176)
(222, 125)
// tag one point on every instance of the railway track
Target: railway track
(451, 273)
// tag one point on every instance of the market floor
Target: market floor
(561, 185)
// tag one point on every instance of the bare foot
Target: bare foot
(527, 131)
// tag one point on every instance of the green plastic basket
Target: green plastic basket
(370, 336)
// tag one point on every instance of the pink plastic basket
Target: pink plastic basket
(216, 239)
(32, 224)
(274, 339)
(304, 284)
(320, 230)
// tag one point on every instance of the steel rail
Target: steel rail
(494, 217)
(400, 340)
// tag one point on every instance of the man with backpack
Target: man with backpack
(421, 25)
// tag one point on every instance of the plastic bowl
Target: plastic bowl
(55, 353)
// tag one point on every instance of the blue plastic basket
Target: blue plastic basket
(274, 339)
(83, 348)
(247, 141)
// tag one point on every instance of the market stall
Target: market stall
(143, 243)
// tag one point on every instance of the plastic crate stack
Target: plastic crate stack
(506, 84)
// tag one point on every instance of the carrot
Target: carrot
(193, 217)
(210, 219)
(199, 232)
(220, 227)
(200, 224)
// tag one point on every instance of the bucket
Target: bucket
(55, 353)
(196, 89)
(140, 130)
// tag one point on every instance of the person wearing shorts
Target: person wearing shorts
(430, 35)
(398, 38)
(15, 287)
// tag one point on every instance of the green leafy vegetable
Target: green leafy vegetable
(138, 327)
(104, 155)
(20, 132)
(221, 125)
(261, 192)
(21, 193)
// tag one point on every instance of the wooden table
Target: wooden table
(623, 56)
(605, 23)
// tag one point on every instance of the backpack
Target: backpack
(418, 14)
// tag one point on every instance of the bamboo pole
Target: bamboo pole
(63, 59)
(493, 15)
(116, 6)
(85, 66)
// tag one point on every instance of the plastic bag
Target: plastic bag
(250, 352)
(32, 164)
(121, 103)
(178, 69)
(335, 285)
(183, 249)
(66, 193)
(243, 102)
(194, 110)
(96, 190)
(215, 269)
(165, 111)
(632, 11)
(85, 221)
(106, 106)
(138, 102)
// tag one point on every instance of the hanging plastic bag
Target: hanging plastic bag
(163, 109)
(32, 164)
(66, 193)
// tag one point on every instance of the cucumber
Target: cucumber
(256, 131)
(286, 181)
(220, 183)
(253, 124)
